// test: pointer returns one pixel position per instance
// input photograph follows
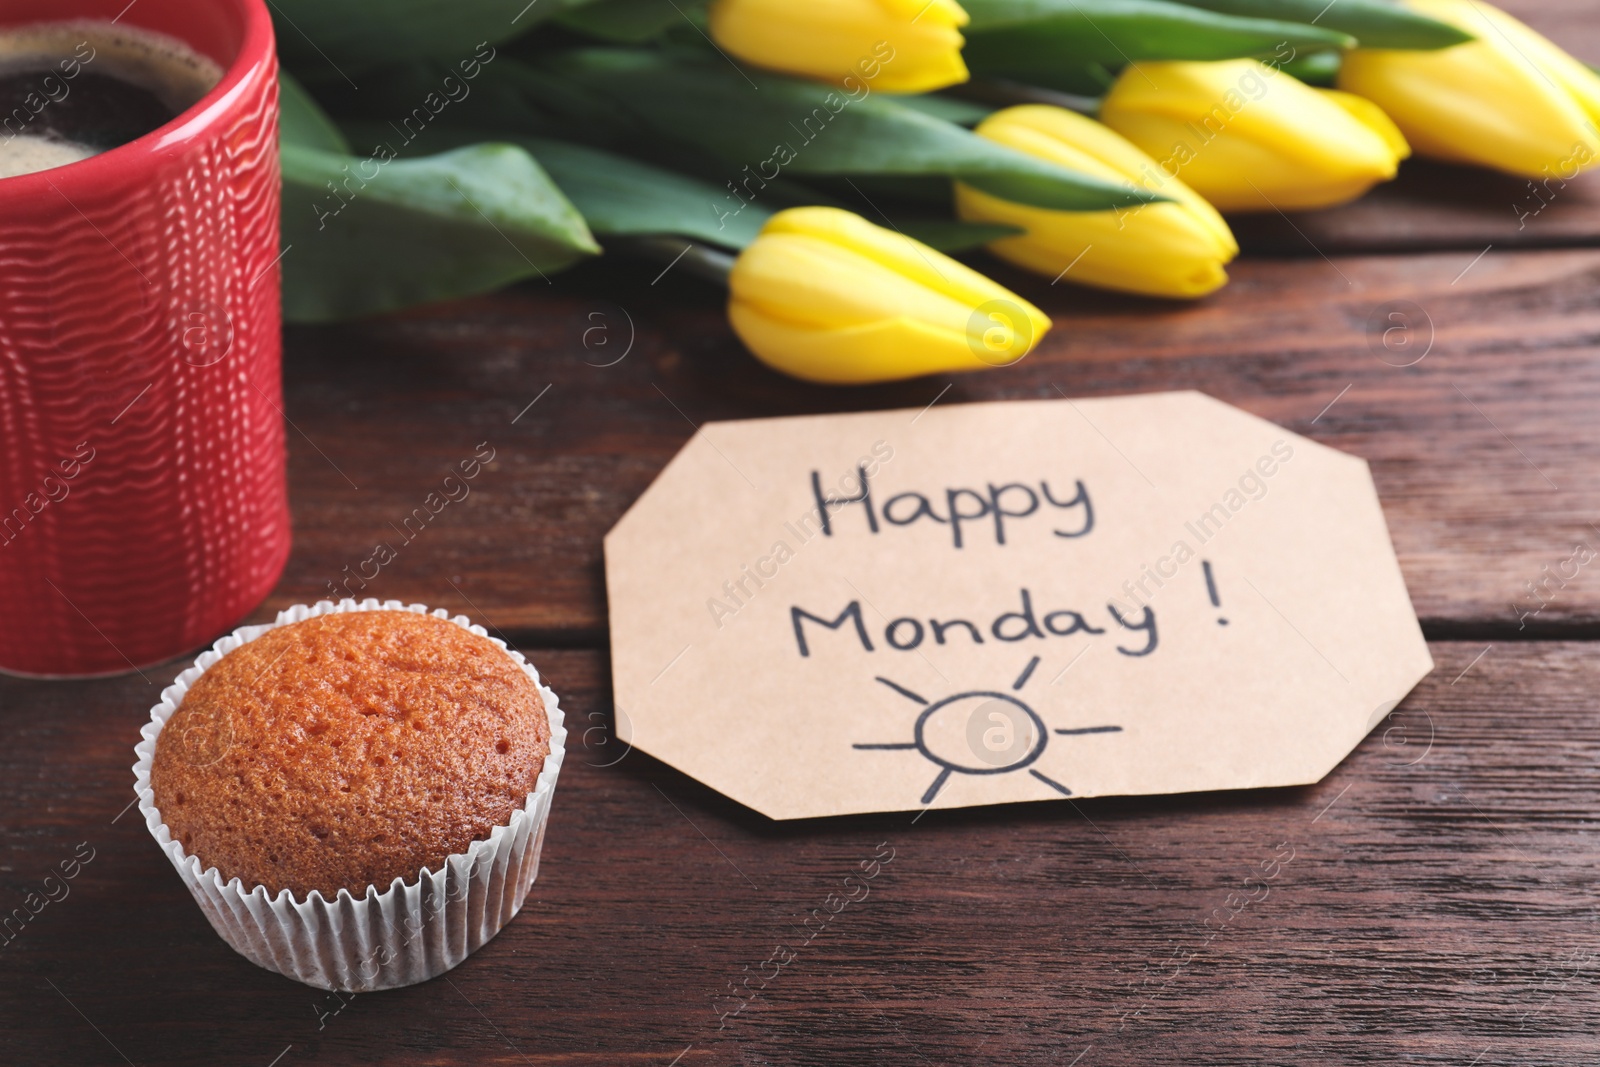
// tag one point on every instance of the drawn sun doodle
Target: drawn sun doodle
(996, 731)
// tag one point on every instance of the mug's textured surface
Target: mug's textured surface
(142, 498)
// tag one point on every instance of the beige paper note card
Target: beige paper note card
(1001, 602)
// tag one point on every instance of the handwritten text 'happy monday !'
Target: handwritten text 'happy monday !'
(973, 516)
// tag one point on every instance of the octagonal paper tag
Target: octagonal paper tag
(1002, 602)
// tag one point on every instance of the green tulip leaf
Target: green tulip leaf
(363, 235)
(622, 197)
(631, 21)
(325, 40)
(1088, 80)
(1033, 40)
(763, 125)
(1315, 68)
(301, 122)
(949, 235)
(1373, 23)
(949, 108)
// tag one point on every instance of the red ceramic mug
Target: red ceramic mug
(143, 506)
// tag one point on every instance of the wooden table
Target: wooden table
(1434, 897)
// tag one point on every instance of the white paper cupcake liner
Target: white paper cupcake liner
(406, 934)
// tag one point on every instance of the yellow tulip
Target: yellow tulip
(1510, 99)
(1249, 138)
(825, 295)
(895, 46)
(1174, 249)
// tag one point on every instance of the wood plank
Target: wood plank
(1569, 23)
(1429, 902)
(1433, 206)
(1485, 452)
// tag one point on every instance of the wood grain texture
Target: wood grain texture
(1429, 901)
(1485, 452)
(1570, 23)
(1434, 206)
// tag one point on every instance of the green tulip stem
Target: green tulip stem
(679, 254)
(999, 93)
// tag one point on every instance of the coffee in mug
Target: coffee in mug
(71, 90)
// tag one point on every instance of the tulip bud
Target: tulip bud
(1172, 249)
(898, 46)
(825, 295)
(1510, 99)
(1250, 138)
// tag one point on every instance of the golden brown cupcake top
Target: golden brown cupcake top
(348, 750)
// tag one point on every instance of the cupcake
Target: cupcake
(356, 794)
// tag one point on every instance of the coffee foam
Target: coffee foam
(24, 155)
(177, 74)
